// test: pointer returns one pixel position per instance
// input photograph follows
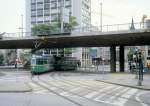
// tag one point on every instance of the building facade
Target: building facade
(49, 11)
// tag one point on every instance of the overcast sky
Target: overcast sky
(114, 12)
(120, 11)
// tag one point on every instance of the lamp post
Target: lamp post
(140, 79)
(101, 16)
(21, 28)
(136, 60)
(62, 16)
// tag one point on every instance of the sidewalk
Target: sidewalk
(14, 87)
(126, 79)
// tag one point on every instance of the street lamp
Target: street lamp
(62, 16)
(101, 15)
(140, 69)
(21, 28)
(136, 61)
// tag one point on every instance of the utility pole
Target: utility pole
(62, 16)
(101, 16)
(21, 28)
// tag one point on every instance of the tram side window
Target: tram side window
(45, 61)
(33, 61)
(39, 61)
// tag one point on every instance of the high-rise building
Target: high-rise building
(49, 11)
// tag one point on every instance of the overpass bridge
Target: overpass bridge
(121, 38)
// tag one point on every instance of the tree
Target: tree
(40, 29)
(45, 29)
(71, 25)
(53, 28)
(130, 54)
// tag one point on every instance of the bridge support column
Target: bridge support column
(121, 58)
(113, 58)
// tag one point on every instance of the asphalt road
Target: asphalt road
(70, 89)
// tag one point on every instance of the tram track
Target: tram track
(56, 93)
(69, 92)
(76, 84)
(63, 85)
(86, 86)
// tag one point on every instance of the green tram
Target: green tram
(41, 64)
(65, 63)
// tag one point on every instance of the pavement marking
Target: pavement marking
(120, 101)
(37, 89)
(43, 84)
(129, 93)
(117, 94)
(12, 78)
(137, 97)
(53, 88)
(100, 96)
(92, 94)
(125, 97)
(72, 90)
(41, 91)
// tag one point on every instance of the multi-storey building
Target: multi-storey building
(48, 11)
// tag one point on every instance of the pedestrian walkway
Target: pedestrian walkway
(14, 87)
(126, 79)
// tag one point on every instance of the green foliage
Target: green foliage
(68, 50)
(54, 27)
(133, 52)
(72, 23)
(40, 29)
(130, 54)
(44, 29)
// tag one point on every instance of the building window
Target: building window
(47, 1)
(54, 11)
(33, 20)
(40, 6)
(40, 1)
(53, 5)
(46, 12)
(40, 22)
(39, 19)
(33, 7)
(46, 6)
(39, 12)
(33, 13)
(47, 18)
(33, 1)
(53, 17)
(68, 3)
(53, 0)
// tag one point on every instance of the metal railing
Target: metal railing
(84, 30)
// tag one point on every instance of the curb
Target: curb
(136, 87)
(20, 90)
(17, 91)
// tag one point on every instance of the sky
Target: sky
(120, 11)
(10, 17)
(114, 12)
